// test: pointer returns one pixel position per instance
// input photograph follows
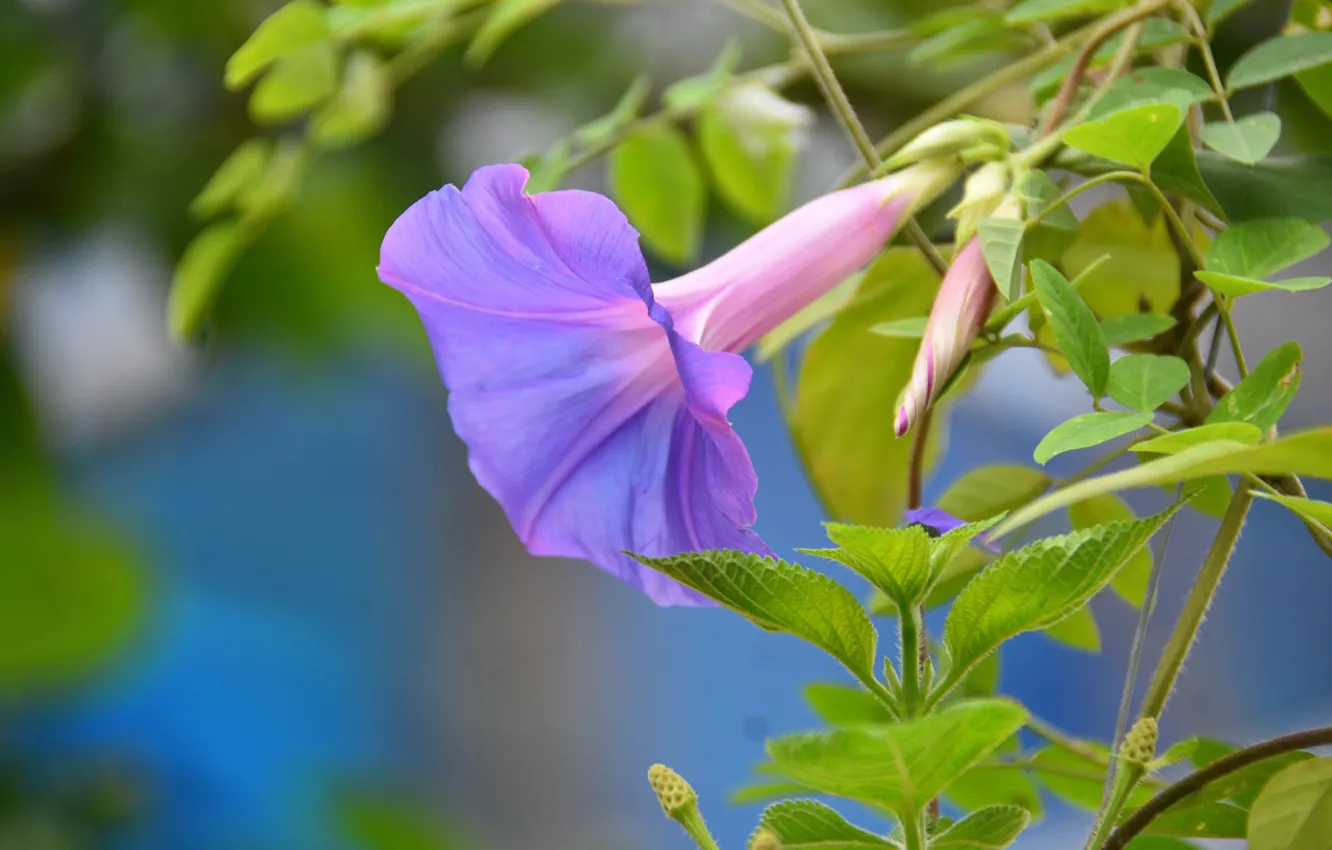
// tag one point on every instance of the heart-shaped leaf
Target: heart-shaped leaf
(1248, 140)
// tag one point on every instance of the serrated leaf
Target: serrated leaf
(1087, 430)
(752, 172)
(902, 766)
(992, 828)
(1262, 397)
(1261, 248)
(1001, 244)
(1135, 327)
(1294, 810)
(300, 23)
(657, 182)
(233, 178)
(913, 328)
(506, 17)
(1037, 586)
(779, 596)
(198, 278)
(1130, 583)
(1132, 137)
(1302, 453)
(1075, 327)
(299, 80)
(1144, 382)
(1178, 441)
(1280, 57)
(1032, 11)
(804, 824)
(1078, 630)
(839, 705)
(987, 491)
(895, 560)
(1248, 140)
(361, 107)
(850, 376)
(955, 575)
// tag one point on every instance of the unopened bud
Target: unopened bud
(673, 792)
(1140, 743)
(984, 192)
(765, 839)
(953, 138)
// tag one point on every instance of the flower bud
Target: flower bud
(754, 111)
(765, 839)
(953, 138)
(673, 792)
(1140, 743)
(984, 192)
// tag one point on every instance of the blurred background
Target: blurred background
(250, 596)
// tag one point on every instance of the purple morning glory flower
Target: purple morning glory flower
(593, 404)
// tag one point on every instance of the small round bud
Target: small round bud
(673, 792)
(765, 839)
(1140, 743)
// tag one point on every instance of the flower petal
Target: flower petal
(594, 425)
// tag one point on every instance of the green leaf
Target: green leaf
(692, 92)
(1130, 584)
(1078, 630)
(626, 109)
(902, 766)
(1302, 453)
(1317, 84)
(946, 546)
(546, 171)
(913, 328)
(1248, 140)
(955, 575)
(1077, 778)
(1142, 264)
(198, 278)
(1057, 229)
(1135, 327)
(1037, 586)
(1274, 188)
(71, 598)
(751, 169)
(763, 792)
(1176, 171)
(988, 829)
(1263, 396)
(895, 560)
(1295, 809)
(1178, 441)
(1234, 287)
(849, 377)
(1222, 9)
(300, 23)
(1280, 57)
(299, 80)
(987, 491)
(779, 596)
(377, 821)
(658, 184)
(1133, 136)
(361, 107)
(1308, 509)
(1241, 786)
(964, 40)
(1087, 430)
(804, 824)
(1156, 33)
(1261, 248)
(1144, 382)
(839, 705)
(1001, 243)
(506, 17)
(233, 179)
(1031, 11)
(990, 784)
(1151, 84)
(1074, 325)
(1205, 820)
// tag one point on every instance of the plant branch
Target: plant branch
(1218, 769)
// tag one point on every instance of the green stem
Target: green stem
(911, 628)
(692, 821)
(1229, 322)
(841, 106)
(1126, 779)
(913, 832)
(1062, 739)
(1209, 61)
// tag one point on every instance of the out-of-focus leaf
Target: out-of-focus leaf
(755, 178)
(361, 107)
(376, 821)
(298, 24)
(626, 109)
(693, 92)
(1294, 811)
(839, 705)
(199, 276)
(1277, 187)
(1248, 140)
(299, 80)
(1078, 630)
(1280, 57)
(657, 182)
(1142, 264)
(993, 784)
(850, 377)
(1178, 441)
(987, 491)
(233, 179)
(506, 17)
(815, 313)
(1135, 327)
